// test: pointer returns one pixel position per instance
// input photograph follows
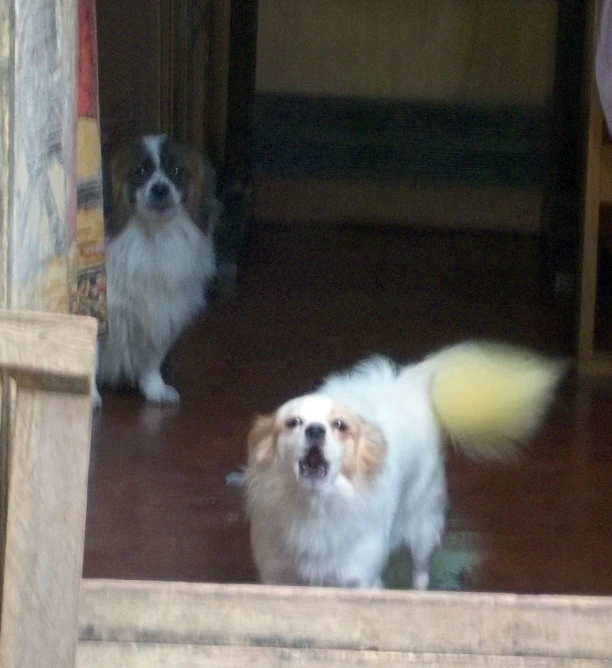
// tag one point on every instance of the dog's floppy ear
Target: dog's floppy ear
(261, 440)
(202, 203)
(366, 454)
(371, 450)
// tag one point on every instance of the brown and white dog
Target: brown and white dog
(339, 479)
(159, 257)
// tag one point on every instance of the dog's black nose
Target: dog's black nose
(315, 431)
(160, 191)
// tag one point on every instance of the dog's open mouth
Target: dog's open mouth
(314, 466)
(160, 206)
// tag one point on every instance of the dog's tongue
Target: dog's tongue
(314, 458)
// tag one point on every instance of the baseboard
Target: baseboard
(300, 136)
(453, 206)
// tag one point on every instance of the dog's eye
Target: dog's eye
(140, 172)
(340, 425)
(178, 171)
(293, 422)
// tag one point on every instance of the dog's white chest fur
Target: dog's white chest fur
(359, 534)
(319, 541)
(156, 283)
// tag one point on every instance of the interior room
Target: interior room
(396, 177)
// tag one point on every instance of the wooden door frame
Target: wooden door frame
(225, 32)
(207, 99)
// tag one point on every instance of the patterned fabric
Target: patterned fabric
(40, 246)
(88, 283)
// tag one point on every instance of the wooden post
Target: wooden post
(597, 190)
(50, 361)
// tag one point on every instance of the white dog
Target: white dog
(339, 479)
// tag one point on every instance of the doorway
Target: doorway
(343, 258)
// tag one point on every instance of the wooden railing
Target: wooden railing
(180, 625)
(47, 365)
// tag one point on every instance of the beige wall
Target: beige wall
(468, 50)
(444, 206)
(474, 51)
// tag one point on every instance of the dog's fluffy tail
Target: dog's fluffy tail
(489, 397)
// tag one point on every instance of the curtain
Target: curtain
(88, 280)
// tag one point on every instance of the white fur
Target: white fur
(156, 282)
(342, 533)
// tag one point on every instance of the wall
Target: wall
(484, 53)
(467, 50)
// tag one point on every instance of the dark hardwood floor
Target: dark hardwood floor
(311, 300)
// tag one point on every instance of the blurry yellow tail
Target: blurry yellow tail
(489, 397)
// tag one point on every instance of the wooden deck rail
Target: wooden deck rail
(47, 364)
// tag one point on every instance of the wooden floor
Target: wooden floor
(312, 300)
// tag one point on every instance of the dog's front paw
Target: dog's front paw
(163, 395)
(96, 399)
(156, 391)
